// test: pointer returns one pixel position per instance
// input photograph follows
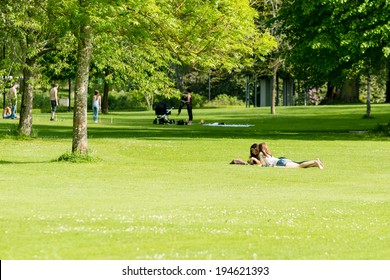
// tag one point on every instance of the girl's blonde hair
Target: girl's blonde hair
(263, 147)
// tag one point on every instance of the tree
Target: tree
(211, 34)
(7, 62)
(60, 65)
(84, 54)
(208, 35)
(32, 27)
(332, 41)
(138, 62)
(267, 21)
(158, 38)
(314, 39)
(90, 18)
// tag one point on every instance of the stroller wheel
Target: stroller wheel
(155, 121)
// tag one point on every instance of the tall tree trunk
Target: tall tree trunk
(350, 91)
(368, 103)
(105, 98)
(274, 88)
(179, 78)
(330, 93)
(69, 93)
(84, 53)
(388, 82)
(25, 121)
(4, 92)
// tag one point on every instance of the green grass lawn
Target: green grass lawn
(168, 192)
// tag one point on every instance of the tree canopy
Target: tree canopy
(137, 41)
(333, 39)
(149, 45)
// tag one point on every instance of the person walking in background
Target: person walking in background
(96, 104)
(53, 100)
(188, 102)
(13, 99)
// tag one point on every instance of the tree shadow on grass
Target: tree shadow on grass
(201, 132)
(5, 162)
(265, 127)
(171, 132)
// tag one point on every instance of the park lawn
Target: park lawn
(168, 192)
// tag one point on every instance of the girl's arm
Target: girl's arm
(255, 161)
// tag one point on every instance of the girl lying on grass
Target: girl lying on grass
(261, 155)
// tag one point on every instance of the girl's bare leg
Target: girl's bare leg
(311, 163)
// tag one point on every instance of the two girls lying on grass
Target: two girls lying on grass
(261, 155)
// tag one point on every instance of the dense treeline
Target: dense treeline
(153, 50)
(336, 42)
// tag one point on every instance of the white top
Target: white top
(269, 160)
(96, 101)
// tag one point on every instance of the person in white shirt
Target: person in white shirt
(267, 159)
(96, 104)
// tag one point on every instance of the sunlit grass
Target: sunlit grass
(168, 192)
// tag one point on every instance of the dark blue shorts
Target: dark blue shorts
(53, 105)
(283, 162)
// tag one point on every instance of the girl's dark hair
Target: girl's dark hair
(254, 151)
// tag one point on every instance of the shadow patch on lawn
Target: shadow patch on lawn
(170, 132)
(134, 125)
(5, 162)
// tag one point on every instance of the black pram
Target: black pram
(162, 114)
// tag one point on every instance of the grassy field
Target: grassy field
(168, 192)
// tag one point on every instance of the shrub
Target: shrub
(77, 158)
(225, 100)
(382, 129)
(120, 101)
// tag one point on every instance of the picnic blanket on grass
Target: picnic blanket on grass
(227, 125)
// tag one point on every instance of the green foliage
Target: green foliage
(12, 132)
(382, 129)
(332, 41)
(226, 100)
(77, 158)
(168, 192)
(41, 100)
(216, 34)
(126, 101)
(378, 88)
